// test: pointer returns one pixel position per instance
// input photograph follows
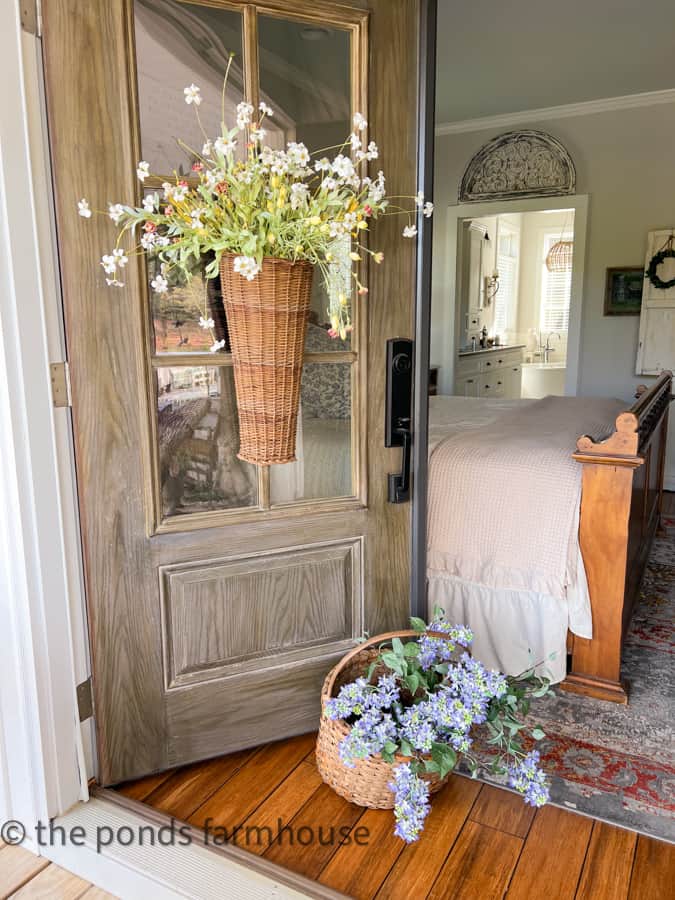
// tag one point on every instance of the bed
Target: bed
(537, 536)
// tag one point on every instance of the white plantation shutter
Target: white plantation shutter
(556, 290)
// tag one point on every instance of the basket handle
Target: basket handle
(377, 639)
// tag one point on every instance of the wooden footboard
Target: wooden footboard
(622, 486)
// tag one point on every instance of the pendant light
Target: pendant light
(559, 257)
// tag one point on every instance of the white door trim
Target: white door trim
(42, 637)
(448, 319)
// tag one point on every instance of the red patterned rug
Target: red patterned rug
(613, 762)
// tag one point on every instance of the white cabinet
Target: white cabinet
(490, 373)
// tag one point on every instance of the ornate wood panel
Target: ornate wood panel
(519, 164)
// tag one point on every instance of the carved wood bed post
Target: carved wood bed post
(622, 483)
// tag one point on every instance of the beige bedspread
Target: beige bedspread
(504, 497)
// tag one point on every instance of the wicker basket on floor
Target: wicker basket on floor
(267, 322)
(367, 784)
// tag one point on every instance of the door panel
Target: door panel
(219, 594)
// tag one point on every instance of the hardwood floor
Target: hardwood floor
(479, 843)
(25, 876)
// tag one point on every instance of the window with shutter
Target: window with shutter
(556, 289)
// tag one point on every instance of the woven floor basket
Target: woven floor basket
(367, 784)
(267, 322)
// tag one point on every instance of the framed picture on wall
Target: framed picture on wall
(623, 291)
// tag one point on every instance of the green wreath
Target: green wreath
(656, 261)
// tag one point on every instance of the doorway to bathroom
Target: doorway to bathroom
(508, 325)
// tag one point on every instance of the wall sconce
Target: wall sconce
(491, 287)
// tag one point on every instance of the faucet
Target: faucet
(547, 350)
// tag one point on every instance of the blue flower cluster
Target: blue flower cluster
(411, 802)
(356, 698)
(529, 780)
(434, 650)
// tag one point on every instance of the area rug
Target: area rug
(613, 762)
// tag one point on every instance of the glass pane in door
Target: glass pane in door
(198, 436)
(178, 44)
(305, 76)
(324, 444)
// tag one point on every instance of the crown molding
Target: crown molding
(566, 111)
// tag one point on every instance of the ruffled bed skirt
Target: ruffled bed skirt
(512, 629)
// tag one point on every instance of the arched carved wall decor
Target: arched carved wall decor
(518, 164)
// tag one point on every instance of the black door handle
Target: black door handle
(398, 429)
(399, 482)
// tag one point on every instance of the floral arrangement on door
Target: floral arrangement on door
(266, 218)
(397, 716)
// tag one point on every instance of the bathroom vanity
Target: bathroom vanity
(493, 372)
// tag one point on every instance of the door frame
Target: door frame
(46, 750)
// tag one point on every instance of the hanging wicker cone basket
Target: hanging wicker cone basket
(367, 784)
(267, 322)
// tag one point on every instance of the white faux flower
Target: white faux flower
(298, 154)
(224, 145)
(428, 209)
(150, 202)
(322, 165)
(109, 263)
(113, 282)
(148, 239)
(355, 141)
(246, 266)
(343, 166)
(116, 211)
(244, 113)
(83, 209)
(359, 122)
(419, 200)
(192, 95)
(258, 134)
(299, 193)
(207, 148)
(409, 231)
(159, 284)
(196, 216)
(206, 323)
(142, 170)
(329, 184)
(161, 240)
(178, 192)
(265, 109)
(120, 257)
(217, 345)
(168, 189)
(373, 151)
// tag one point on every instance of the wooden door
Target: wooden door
(220, 594)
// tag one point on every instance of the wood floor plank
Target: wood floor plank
(18, 866)
(234, 802)
(359, 869)
(480, 865)
(553, 856)
(502, 810)
(416, 868)
(317, 831)
(142, 788)
(608, 865)
(263, 825)
(185, 791)
(653, 870)
(52, 883)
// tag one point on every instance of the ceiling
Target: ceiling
(504, 56)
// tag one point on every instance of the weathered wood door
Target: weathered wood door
(220, 594)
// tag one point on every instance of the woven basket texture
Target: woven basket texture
(367, 784)
(267, 322)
